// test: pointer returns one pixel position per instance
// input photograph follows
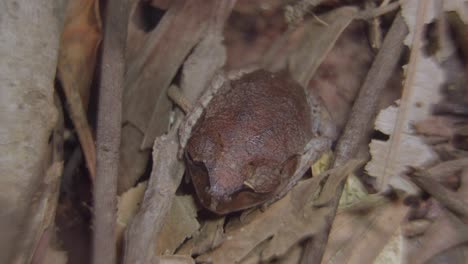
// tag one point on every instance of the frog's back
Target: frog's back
(263, 117)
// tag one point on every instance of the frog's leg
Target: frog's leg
(312, 152)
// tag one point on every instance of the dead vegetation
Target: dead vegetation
(380, 177)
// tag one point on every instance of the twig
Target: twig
(379, 11)
(408, 89)
(165, 178)
(359, 122)
(295, 13)
(447, 198)
(108, 131)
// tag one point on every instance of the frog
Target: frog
(247, 141)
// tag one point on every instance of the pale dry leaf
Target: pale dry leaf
(127, 207)
(337, 175)
(209, 237)
(285, 223)
(357, 238)
(292, 256)
(392, 252)
(404, 148)
(459, 6)
(181, 223)
(254, 256)
(409, 9)
(176, 259)
(55, 256)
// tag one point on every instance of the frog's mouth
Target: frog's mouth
(217, 200)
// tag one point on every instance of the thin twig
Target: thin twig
(446, 197)
(403, 110)
(295, 13)
(379, 11)
(165, 177)
(359, 122)
(109, 130)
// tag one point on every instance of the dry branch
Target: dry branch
(29, 37)
(109, 130)
(165, 178)
(446, 197)
(359, 122)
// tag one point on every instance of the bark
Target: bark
(29, 33)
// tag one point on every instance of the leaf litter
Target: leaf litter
(379, 227)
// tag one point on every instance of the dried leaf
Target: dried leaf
(180, 224)
(210, 236)
(435, 126)
(127, 207)
(55, 256)
(318, 41)
(284, 223)
(176, 259)
(77, 58)
(146, 107)
(356, 238)
(459, 6)
(420, 92)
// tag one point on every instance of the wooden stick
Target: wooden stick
(359, 123)
(446, 197)
(108, 131)
(166, 175)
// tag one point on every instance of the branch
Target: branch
(446, 197)
(363, 112)
(165, 177)
(108, 130)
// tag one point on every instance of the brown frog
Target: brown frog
(247, 144)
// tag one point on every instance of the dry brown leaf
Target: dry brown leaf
(357, 238)
(55, 256)
(153, 66)
(77, 58)
(320, 40)
(435, 126)
(210, 236)
(180, 224)
(270, 234)
(284, 223)
(176, 259)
